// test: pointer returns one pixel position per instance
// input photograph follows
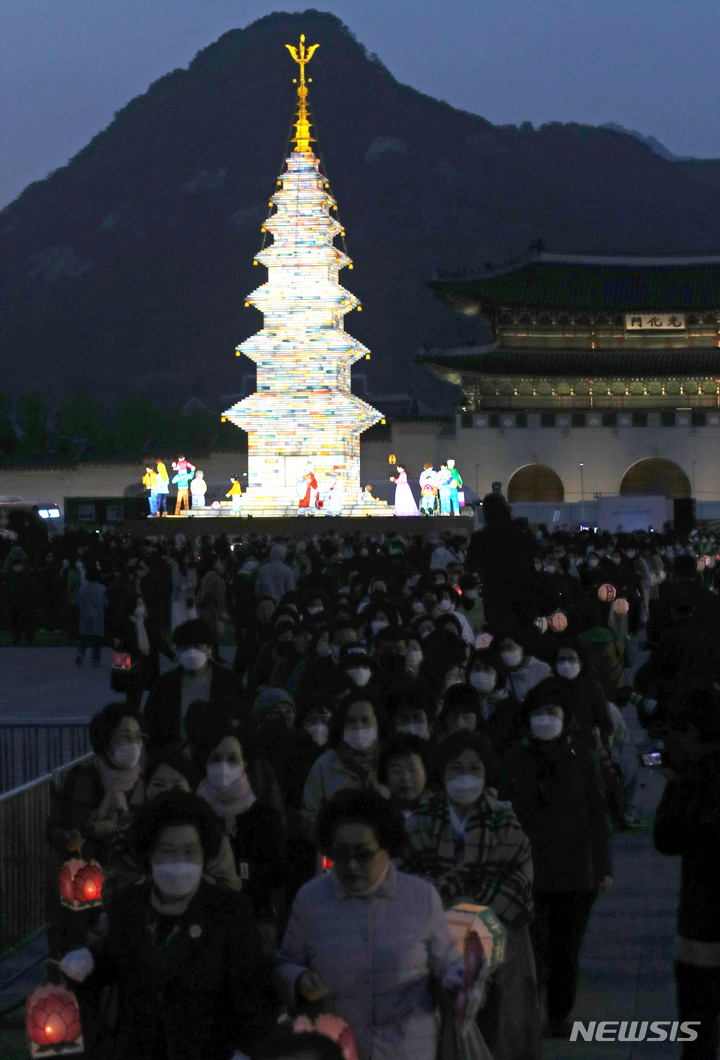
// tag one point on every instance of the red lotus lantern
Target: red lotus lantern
(81, 884)
(326, 864)
(332, 1027)
(558, 622)
(53, 1021)
(607, 592)
(621, 607)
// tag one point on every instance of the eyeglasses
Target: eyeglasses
(363, 856)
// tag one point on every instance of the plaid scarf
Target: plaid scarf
(492, 866)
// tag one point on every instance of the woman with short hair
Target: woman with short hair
(184, 955)
(369, 934)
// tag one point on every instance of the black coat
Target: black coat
(162, 717)
(557, 795)
(201, 996)
(258, 846)
(687, 823)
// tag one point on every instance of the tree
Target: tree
(8, 440)
(32, 415)
(80, 420)
(140, 423)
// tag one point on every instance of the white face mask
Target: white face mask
(176, 878)
(482, 681)
(319, 732)
(567, 669)
(126, 756)
(424, 633)
(377, 624)
(418, 607)
(360, 739)
(314, 610)
(444, 606)
(416, 728)
(465, 789)
(512, 658)
(222, 774)
(192, 659)
(630, 553)
(546, 726)
(360, 676)
(414, 658)
(471, 594)
(593, 562)
(323, 649)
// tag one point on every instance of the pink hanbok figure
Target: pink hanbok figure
(404, 500)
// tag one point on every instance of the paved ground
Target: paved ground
(626, 962)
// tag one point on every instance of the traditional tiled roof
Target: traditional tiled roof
(704, 361)
(587, 282)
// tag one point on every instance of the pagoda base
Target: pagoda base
(238, 526)
(264, 507)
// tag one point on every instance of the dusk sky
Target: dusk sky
(67, 65)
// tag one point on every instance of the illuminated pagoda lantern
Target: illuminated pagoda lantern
(303, 412)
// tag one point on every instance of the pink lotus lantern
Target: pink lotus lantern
(81, 884)
(558, 622)
(607, 592)
(621, 607)
(53, 1022)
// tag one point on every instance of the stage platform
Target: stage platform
(292, 526)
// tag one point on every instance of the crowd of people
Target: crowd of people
(407, 723)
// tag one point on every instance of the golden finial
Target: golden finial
(302, 57)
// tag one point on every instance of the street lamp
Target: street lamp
(582, 482)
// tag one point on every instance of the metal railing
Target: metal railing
(27, 863)
(30, 749)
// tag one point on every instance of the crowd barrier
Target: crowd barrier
(34, 749)
(27, 864)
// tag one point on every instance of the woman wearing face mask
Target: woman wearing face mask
(196, 678)
(184, 956)
(168, 770)
(351, 760)
(524, 670)
(414, 655)
(553, 782)
(225, 755)
(423, 627)
(137, 637)
(408, 715)
(461, 705)
(592, 723)
(370, 935)
(472, 848)
(90, 806)
(500, 716)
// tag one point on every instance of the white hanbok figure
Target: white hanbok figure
(334, 497)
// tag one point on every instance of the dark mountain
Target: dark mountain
(126, 271)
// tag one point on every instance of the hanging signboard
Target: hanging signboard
(654, 321)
